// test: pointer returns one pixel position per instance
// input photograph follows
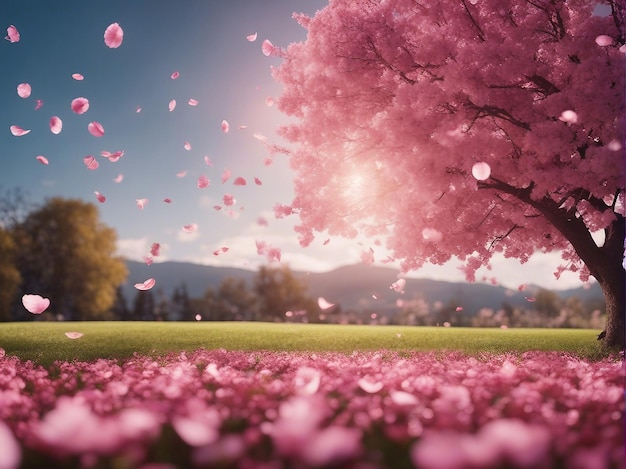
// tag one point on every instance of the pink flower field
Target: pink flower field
(365, 410)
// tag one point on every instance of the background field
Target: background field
(44, 342)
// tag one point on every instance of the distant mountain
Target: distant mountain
(354, 287)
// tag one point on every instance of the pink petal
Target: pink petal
(167, 200)
(56, 125)
(530, 299)
(240, 181)
(102, 199)
(603, 40)
(119, 178)
(112, 157)
(175, 75)
(18, 131)
(38, 105)
(229, 200)
(10, 447)
(138, 110)
(481, 171)
(148, 260)
(190, 228)
(257, 181)
(323, 303)
(203, 182)
(80, 105)
(207, 160)
(225, 126)
(155, 249)
(187, 146)
(219, 251)
(260, 137)
(77, 76)
(267, 48)
(74, 335)
(95, 129)
(251, 37)
(113, 36)
(13, 34)
(172, 105)
(42, 159)
(226, 175)
(181, 174)
(23, 90)
(141, 203)
(569, 116)
(273, 254)
(459, 308)
(269, 101)
(370, 387)
(192, 102)
(398, 285)
(147, 285)
(91, 162)
(35, 304)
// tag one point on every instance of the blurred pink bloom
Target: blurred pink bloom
(10, 451)
(225, 126)
(481, 171)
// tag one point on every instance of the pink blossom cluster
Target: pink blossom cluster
(284, 409)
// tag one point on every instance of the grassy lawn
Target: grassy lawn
(44, 342)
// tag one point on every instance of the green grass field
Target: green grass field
(45, 342)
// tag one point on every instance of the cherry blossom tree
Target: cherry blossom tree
(463, 128)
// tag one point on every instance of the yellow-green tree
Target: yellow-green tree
(68, 255)
(9, 274)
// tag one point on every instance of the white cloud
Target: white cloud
(133, 248)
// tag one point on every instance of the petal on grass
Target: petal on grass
(74, 335)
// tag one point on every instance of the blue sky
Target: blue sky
(206, 43)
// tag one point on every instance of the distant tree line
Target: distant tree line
(62, 251)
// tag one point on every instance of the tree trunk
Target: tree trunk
(613, 289)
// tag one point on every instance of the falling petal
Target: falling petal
(113, 36)
(324, 304)
(398, 285)
(603, 40)
(481, 171)
(225, 126)
(203, 182)
(267, 48)
(190, 228)
(229, 200)
(459, 308)
(175, 75)
(13, 35)
(167, 200)
(77, 76)
(155, 249)
(181, 174)
(74, 335)
(38, 105)
(530, 299)
(23, 90)
(522, 287)
(192, 102)
(35, 304)
(207, 160)
(260, 137)
(119, 178)
(242, 127)
(113, 157)
(18, 131)
(138, 110)
(367, 256)
(187, 146)
(148, 260)
(80, 105)
(91, 162)
(56, 125)
(239, 181)
(269, 101)
(273, 254)
(262, 221)
(257, 181)
(569, 116)
(226, 175)
(172, 105)
(147, 285)
(102, 199)
(95, 129)
(252, 37)
(198, 317)
(219, 251)
(42, 159)
(141, 203)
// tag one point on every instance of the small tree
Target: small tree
(68, 255)
(9, 275)
(464, 128)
